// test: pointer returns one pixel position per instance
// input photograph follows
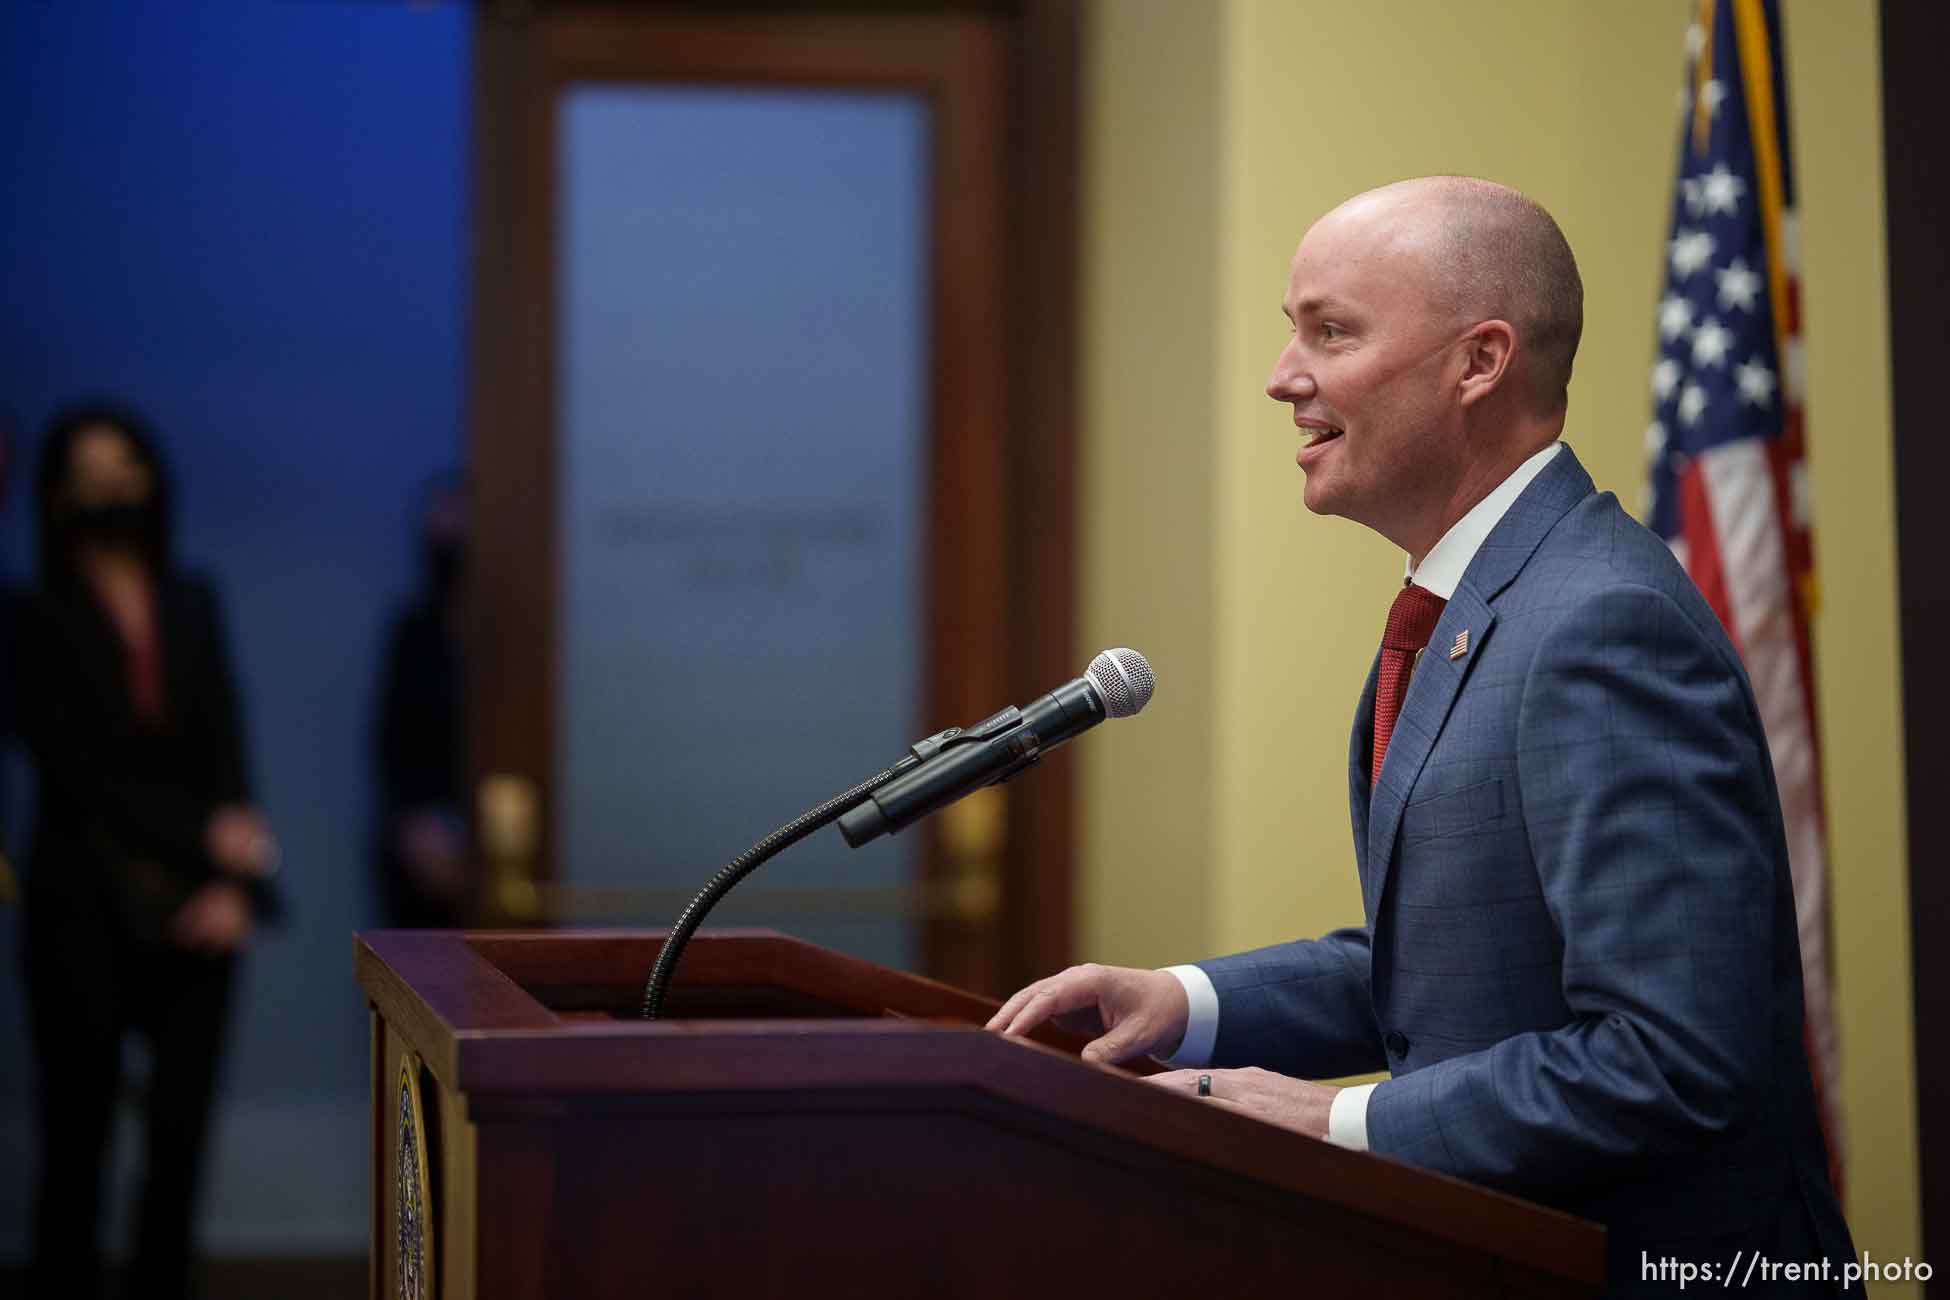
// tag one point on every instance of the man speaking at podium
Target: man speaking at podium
(1579, 957)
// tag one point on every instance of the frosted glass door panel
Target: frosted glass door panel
(742, 378)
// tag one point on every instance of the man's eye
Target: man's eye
(1328, 331)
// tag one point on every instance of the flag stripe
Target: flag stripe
(1703, 559)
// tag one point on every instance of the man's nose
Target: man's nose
(1289, 381)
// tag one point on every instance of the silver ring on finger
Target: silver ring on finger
(1205, 1085)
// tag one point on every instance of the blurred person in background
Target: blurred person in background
(149, 867)
(422, 856)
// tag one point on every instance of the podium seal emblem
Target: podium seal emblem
(412, 1195)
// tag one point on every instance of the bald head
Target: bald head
(1490, 254)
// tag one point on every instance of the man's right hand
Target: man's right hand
(1124, 1012)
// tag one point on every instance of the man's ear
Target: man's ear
(1488, 352)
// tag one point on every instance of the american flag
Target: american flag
(1727, 476)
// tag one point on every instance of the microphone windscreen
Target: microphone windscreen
(1123, 680)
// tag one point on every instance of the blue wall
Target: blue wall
(249, 219)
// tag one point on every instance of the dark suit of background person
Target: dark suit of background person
(1579, 954)
(419, 743)
(129, 920)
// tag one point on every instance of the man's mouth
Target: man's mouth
(1317, 435)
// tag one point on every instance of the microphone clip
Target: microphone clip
(987, 729)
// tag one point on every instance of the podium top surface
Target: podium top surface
(506, 1015)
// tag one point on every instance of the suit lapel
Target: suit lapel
(1360, 748)
(1432, 691)
(98, 650)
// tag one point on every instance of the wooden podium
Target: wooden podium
(812, 1124)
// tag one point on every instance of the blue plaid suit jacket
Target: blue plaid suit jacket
(1579, 955)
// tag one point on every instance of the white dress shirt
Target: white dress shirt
(1441, 569)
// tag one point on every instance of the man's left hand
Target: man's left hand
(1266, 1096)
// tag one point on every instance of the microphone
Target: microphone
(932, 774)
(958, 761)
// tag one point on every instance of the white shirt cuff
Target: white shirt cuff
(1347, 1118)
(1202, 1023)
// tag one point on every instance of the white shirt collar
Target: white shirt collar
(1442, 568)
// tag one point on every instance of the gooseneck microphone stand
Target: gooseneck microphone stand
(793, 831)
(938, 770)
(740, 867)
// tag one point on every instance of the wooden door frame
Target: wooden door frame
(1003, 293)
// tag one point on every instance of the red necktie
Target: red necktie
(1411, 619)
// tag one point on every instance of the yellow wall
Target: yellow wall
(1150, 306)
(1215, 133)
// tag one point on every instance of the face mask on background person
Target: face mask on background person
(116, 523)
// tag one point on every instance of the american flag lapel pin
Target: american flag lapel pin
(1461, 647)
